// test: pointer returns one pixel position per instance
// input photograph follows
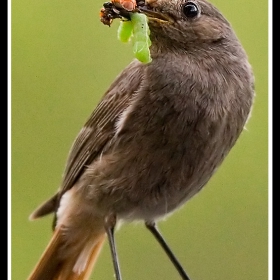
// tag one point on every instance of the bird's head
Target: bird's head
(185, 23)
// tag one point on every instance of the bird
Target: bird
(155, 139)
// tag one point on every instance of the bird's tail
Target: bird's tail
(60, 262)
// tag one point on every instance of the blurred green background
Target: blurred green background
(63, 59)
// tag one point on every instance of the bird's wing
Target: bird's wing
(98, 130)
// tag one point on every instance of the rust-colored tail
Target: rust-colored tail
(55, 264)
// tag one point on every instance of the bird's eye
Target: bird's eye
(190, 10)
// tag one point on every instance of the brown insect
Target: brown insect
(118, 9)
(108, 13)
(128, 5)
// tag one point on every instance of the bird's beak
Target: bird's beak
(156, 16)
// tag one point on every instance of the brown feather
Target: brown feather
(52, 267)
(100, 127)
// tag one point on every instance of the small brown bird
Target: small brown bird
(155, 139)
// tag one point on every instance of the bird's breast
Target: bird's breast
(158, 159)
(168, 142)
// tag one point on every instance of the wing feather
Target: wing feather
(100, 127)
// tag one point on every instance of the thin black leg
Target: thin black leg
(110, 223)
(153, 229)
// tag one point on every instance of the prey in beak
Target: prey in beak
(116, 9)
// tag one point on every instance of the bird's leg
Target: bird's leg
(151, 226)
(110, 223)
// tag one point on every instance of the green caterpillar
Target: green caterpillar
(125, 31)
(137, 30)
